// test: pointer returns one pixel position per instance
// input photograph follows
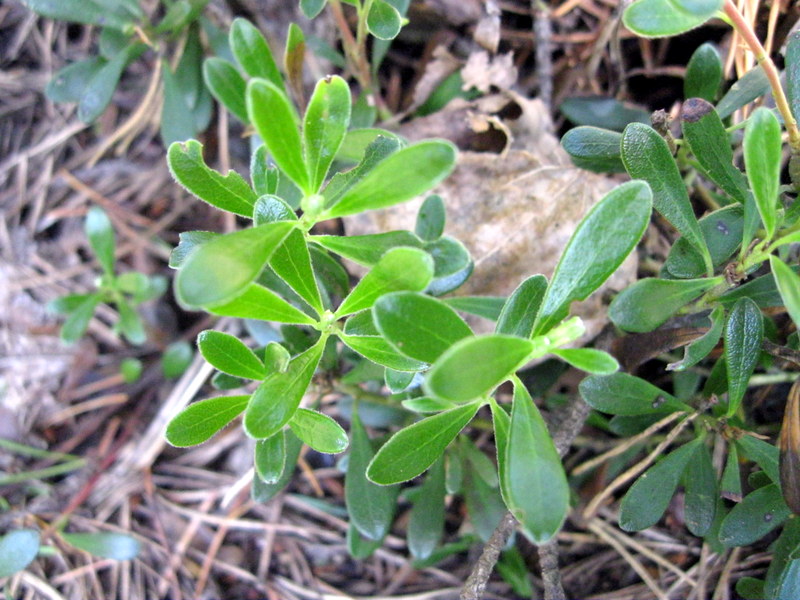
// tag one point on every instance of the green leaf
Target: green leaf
(417, 325)
(750, 86)
(101, 237)
(722, 230)
(703, 73)
(647, 156)
(319, 431)
(400, 269)
(431, 219)
(624, 394)
(590, 360)
(311, 8)
(535, 482)
(131, 369)
(292, 263)
(730, 486)
(793, 72)
(502, 426)
(78, 320)
(264, 492)
(522, 307)
(260, 303)
(177, 119)
(226, 353)
(269, 209)
(474, 366)
(198, 422)
(176, 358)
(762, 158)
(264, 177)
(252, 52)
(276, 400)
(100, 88)
(760, 512)
(412, 450)
(381, 147)
(599, 245)
(764, 454)
(711, 145)
(594, 149)
(90, 12)
(224, 268)
(426, 524)
(602, 112)
(663, 18)
(383, 20)
(488, 307)
(788, 284)
(648, 498)
(649, 302)
(783, 557)
(66, 304)
(227, 192)
(324, 126)
(276, 122)
(485, 506)
(744, 332)
(69, 83)
(397, 381)
(702, 346)
(367, 250)
(269, 457)
(188, 242)
(17, 550)
(379, 351)
(293, 58)
(130, 324)
(397, 178)
(371, 507)
(700, 484)
(116, 546)
(227, 85)
(427, 405)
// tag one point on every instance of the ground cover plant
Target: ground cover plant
(380, 366)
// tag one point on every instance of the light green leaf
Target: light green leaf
(400, 269)
(324, 126)
(264, 177)
(130, 324)
(271, 208)
(319, 431)
(226, 353)
(589, 360)
(258, 302)
(474, 366)
(703, 73)
(379, 351)
(101, 237)
(744, 332)
(754, 517)
(176, 358)
(188, 242)
(602, 240)
(624, 394)
(430, 219)
(788, 284)
(425, 404)
(367, 250)
(292, 263)
(762, 158)
(105, 544)
(535, 482)
(18, 548)
(293, 58)
(198, 422)
(252, 52)
(764, 454)
(412, 450)
(227, 85)
(648, 498)
(397, 381)
(502, 426)
(264, 492)
(227, 192)
(269, 457)
(383, 20)
(78, 320)
(426, 523)
(277, 123)
(488, 307)
(397, 178)
(417, 325)
(662, 18)
(522, 307)
(276, 400)
(224, 268)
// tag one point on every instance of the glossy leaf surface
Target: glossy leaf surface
(228, 354)
(662, 18)
(252, 52)
(703, 73)
(624, 394)
(269, 457)
(383, 20)
(291, 261)
(258, 302)
(788, 283)
(367, 250)
(744, 332)
(590, 360)
(227, 85)
(319, 431)
(379, 351)
(198, 422)
(324, 126)
(522, 307)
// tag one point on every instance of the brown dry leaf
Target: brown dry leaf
(483, 72)
(514, 210)
(487, 31)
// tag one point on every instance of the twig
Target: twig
(551, 576)
(476, 583)
(543, 35)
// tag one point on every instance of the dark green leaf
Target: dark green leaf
(359, 546)
(602, 240)
(788, 284)
(594, 149)
(648, 498)
(226, 85)
(320, 432)
(485, 506)
(700, 483)
(480, 464)
(275, 401)
(535, 482)
(522, 307)
(223, 269)
(100, 88)
(324, 126)
(624, 394)
(101, 237)
(602, 112)
(105, 544)
(703, 73)
(590, 360)
(764, 454)
(66, 304)
(784, 556)
(759, 513)
(292, 263)
(488, 307)
(647, 156)
(762, 158)
(430, 219)
(417, 325)
(474, 366)
(383, 20)
(227, 192)
(397, 178)
(90, 12)
(177, 119)
(269, 457)
(252, 52)
(750, 588)
(18, 548)
(711, 145)
(502, 426)
(379, 351)
(400, 269)
(78, 320)
(731, 483)
(750, 86)
(663, 18)
(311, 8)
(275, 120)
(744, 332)
(264, 492)
(367, 250)
(198, 422)
(702, 346)
(649, 302)
(177, 16)
(329, 272)
(68, 84)
(258, 302)
(176, 358)
(226, 353)
(371, 507)
(426, 523)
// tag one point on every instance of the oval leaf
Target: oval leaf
(624, 394)
(291, 261)
(116, 546)
(17, 550)
(590, 360)
(703, 73)
(252, 52)
(744, 333)
(788, 284)
(379, 351)
(101, 237)
(594, 149)
(198, 422)
(700, 503)
(98, 93)
(426, 524)
(662, 18)
(226, 353)
(227, 85)
(324, 126)
(522, 307)
(319, 431)
(430, 219)
(759, 513)
(269, 458)
(762, 158)
(383, 20)
(258, 302)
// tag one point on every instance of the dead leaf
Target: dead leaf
(483, 72)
